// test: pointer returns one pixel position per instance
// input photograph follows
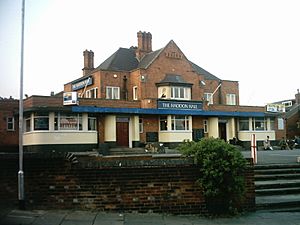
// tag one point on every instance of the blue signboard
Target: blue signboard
(185, 105)
(82, 83)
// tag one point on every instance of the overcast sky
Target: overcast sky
(255, 42)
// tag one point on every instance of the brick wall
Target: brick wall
(140, 184)
(9, 139)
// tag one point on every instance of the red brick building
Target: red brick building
(137, 96)
(9, 125)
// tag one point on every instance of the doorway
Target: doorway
(122, 132)
(222, 131)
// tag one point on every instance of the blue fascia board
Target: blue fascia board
(92, 109)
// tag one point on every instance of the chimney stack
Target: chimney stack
(297, 97)
(88, 57)
(144, 44)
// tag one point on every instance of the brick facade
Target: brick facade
(9, 138)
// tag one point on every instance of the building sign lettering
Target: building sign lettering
(187, 105)
(82, 83)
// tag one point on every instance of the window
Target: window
(179, 123)
(27, 124)
(244, 124)
(92, 93)
(135, 93)
(259, 124)
(68, 122)
(112, 93)
(272, 123)
(205, 125)
(10, 123)
(141, 128)
(180, 93)
(280, 123)
(163, 123)
(92, 123)
(41, 121)
(230, 99)
(209, 97)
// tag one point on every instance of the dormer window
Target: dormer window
(174, 87)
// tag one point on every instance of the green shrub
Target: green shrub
(222, 169)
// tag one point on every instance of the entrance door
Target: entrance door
(222, 131)
(123, 134)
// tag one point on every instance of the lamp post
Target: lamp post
(21, 196)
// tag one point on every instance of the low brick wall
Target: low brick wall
(131, 184)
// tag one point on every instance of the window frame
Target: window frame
(231, 99)
(10, 125)
(208, 96)
(112, 89)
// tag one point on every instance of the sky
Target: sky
(255, 42)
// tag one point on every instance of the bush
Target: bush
(222, 169)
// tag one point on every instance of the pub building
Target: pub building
(137, 96)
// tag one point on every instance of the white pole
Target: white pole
(253, 149)
(21, 173)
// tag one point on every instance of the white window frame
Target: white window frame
(209, 97)
(135, 93)
(262, 120)
(205, 126)
(72, 126)
(93, 91)
(115, 92)
(10, 123)
(230, 99)
(179, 92)
(141, 126)
(37, 117)
(244, 120)
(176, 119)
(92, 125)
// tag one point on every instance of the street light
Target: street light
(21, 173)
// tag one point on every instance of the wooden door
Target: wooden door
(122, 134)
(222, 131)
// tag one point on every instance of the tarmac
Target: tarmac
(74, 217)
(71, 217)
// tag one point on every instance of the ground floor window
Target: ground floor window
(163, 123)
(92, 123)
(41, 121)
(259, 124)
(141, 127)
(68, 121)
(179, 123)
(244, 124)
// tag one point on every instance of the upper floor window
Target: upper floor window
(92, 93)
(230, 99)
(112, 92)
(135, 93)
(209, 97)
(10, 123)
(180, 93)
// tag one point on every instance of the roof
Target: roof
(174, 79)
(207, 75)
(149, 58)
(123, 59)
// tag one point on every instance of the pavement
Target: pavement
(275, 156)
(71, 217)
